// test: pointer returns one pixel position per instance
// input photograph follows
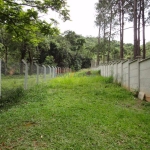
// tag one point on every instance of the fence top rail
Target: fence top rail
(133, 61)
(144, 60)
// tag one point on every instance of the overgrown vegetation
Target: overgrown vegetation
(76, 111)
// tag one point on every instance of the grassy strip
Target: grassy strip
(77, 111)
(13, 87)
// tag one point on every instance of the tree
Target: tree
(106, 22)
(108, 12)
(21, 20)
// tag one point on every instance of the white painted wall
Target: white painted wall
(119, 72)
(125, 73)
(133, 75)
(145, 77)
(115, 72)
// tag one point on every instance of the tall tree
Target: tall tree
(21, 20)
(143, 25)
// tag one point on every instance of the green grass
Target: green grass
(77, 111)
(12, 86)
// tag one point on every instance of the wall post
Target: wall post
(138, 63)
(122, 73)
(129, 74)
(117, 72)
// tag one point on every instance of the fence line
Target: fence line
(133, 75)
(25, 75)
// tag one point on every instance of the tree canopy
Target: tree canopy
(112, 15)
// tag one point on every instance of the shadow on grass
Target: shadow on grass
(10, 97)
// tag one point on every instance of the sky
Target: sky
(82, 14)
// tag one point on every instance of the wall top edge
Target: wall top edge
(133, 61)
(117, 62)
(144, 60)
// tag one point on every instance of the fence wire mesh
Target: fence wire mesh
(17, 76)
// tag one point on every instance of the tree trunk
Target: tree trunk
(139, 26)
(122, 28)
(121, 18)
(143, 24)
(104, 40)
(31, 62)
(135, 29)
(108, 56)
(98, 50)
(23, 53)
(6, 58)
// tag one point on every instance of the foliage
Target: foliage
(67, 50)
(111, 16)
(148, 49)
(22, 30)
(49, 60)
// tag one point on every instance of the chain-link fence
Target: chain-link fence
(14, 76)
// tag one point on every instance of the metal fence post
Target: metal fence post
(44, 72)
(0, 78)
(37, 76)
(26, 74)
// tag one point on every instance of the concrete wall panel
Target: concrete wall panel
(125, 74)
(119, 72)
(145, 77)
(134, 75)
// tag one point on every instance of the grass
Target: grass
(13, 85)
(76, 111)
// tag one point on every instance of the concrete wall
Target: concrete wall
(119, 72)
(125, 77)
(133, 75)
(115, 74)
(145, 77)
